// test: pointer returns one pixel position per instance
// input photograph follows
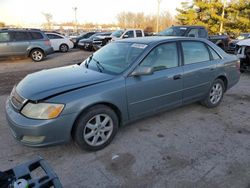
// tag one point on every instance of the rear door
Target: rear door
(199, 70)
(162, 89)
(21, 42)
(56, 41)
(5, 43)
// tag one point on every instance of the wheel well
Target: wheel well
(112, 106)
(224, 79)
(64, 44)
(35, 49)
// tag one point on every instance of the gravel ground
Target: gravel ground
(191, 146)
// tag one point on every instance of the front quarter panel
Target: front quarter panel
(112, 92)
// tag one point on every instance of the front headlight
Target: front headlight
(42, 110)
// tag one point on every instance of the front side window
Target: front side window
(161, 57)
(130, 34)
(114, 58)
(194, 52)
(4, 37)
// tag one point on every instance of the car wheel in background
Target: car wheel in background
(95, 128)
(64, 48)
(215, 94)
(37, 55)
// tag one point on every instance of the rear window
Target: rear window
(4, 37)
(36, 35)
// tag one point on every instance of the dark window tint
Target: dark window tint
(130, 34)
(214, 53)
(202, 33)
(36, 35)
(193, 33)
(52, 36)
(89, 35)
(138, 33)
(162, 57)
(195, 52)
(21, 36)
(4, 37)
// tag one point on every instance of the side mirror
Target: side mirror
(125, 36)
(142, 70)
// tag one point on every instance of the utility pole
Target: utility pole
(75, 10)
(222, 15)
(158, 15)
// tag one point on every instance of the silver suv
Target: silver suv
(32, 43)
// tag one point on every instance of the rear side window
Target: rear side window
(138, 33)
(4, 37)
(214, 53)
(21, 36)
(51, 36)
(202, 33)
(195, 52)
(36, 35)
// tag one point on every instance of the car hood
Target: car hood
(48, 83)
(245, 42)
(85, 40)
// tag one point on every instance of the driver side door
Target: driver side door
(162, 89)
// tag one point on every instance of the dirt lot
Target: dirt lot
(187, 147)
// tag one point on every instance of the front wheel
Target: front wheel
(215, 94)
(96, 128)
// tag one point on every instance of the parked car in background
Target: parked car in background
(60, 42)
(32, 43)
(196, 32)
(100, 41)
(118, 34)
(82, 36)
(87, 44)
(232, 46)
(243, 53)
(124, 81)
(126, 33)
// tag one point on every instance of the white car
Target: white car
(244, 54)
(60, 42)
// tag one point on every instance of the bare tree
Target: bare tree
(48, 18)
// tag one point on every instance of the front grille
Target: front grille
(17, 100)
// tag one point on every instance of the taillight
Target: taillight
(238, 65)
(47, 42)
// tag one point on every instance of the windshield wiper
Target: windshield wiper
(87, 63)
(98, 65)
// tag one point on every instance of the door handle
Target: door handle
(176, 77)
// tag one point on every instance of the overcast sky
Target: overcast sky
(96, 11)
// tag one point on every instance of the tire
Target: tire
(215, 94)
(90, 135)
(37, 55)
(64, 48)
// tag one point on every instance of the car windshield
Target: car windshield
(173, 31)
(118, 33)
(114, 58)
(243, 36)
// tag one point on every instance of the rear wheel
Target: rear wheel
(215, 94)
(37, 55)
(96, 128)
(64, 48)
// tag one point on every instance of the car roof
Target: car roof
(158, 39)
